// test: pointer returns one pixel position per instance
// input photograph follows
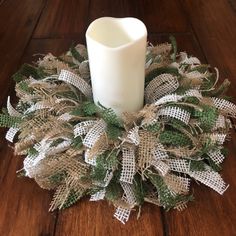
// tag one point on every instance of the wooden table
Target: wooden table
(203, 28)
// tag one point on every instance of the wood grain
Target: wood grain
(159, 16)
(205, 29)
(214, 25)
(23, 205)
(17, 22)
(96, 218)
(63, 19)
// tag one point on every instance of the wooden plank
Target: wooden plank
(18, 27)
(20, 212)
(39, 47)
(17, 21)
(233, 4)
(214, 24)
(159, 16)
(23, 201)
(1, 2)
(95, 218)
(162, 16)
(63, 19)
(23, 205)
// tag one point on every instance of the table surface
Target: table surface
(206, 29)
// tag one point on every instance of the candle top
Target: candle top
(115, 33)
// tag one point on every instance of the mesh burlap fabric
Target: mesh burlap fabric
(146, 147)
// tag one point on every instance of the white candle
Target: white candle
(116, 51)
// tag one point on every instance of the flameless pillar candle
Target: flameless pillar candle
(116, 51)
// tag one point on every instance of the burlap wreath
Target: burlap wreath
(78, 148)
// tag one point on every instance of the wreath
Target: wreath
(78, 148)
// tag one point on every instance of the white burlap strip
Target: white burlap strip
(84, 69)
(208, 177)
(193, 93)
(174, 112)
(108, 178)
(122, 214)
(88, 159)
(37, 159)
(94, 133)
(168, 98)
(11, 110)
(220, 123)
(161, 167)
(229, 123)
(182, 166)
(65, 117)
(83, 127)
(216, 156)
(147, 64)
(163, 84)
(50, 62)
(28, 163)
(38, 106)
(175, 98)
(76, 81)
(189, 60)
(59, 148)
(133, 136)
(218, 137)
(159, 152)
(128, 165)
(98, 195)
(128, 193)
(42, 147)
(225, 106)
(45, 149)
(211, 179)
(11, 133)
